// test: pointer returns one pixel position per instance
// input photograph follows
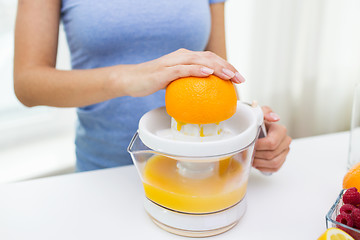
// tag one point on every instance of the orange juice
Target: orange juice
(164, 185)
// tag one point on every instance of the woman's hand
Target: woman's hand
(146, 78)
(271, 151)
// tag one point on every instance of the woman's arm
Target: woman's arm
(38, 82)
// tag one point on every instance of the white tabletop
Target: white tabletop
(108, 204)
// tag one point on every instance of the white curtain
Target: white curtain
(301, 57)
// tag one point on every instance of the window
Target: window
(20, 125)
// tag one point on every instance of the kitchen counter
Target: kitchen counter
(108, 204)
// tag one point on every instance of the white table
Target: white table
(108, 204)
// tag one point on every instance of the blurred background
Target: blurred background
(300, 57)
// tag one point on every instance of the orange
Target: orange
(352, 177)
(199, 100)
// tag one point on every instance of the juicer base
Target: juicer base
(195, 225)
(194, 234)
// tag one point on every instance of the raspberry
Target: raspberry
(351, 197)
(345, 219)
(347, 208)
(352, 189)
(355, 216)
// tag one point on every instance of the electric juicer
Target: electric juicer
(195, 183)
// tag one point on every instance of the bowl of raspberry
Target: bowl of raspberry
(345, 213)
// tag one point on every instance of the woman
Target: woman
(123, 53)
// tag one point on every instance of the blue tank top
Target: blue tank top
(106, 33)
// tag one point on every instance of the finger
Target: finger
(238, 78)
(179, 71)
(269, 115)
(273, 164)
(275, 134)
(266, 109)
(270, 154)
(227, 74)
(221, 67)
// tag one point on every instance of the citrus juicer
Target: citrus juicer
(195, 175)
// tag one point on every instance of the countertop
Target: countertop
(108, 204)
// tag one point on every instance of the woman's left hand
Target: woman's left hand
(271, 151)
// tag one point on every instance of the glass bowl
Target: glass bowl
(331, 218)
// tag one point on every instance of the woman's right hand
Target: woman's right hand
(146, 78)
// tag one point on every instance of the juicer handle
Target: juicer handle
(263, 132)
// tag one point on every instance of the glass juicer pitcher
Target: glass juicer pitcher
(195, 186)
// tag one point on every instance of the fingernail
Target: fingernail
(235, 80)
(207, 71)
(274, 116)
(239, 77)
(228, 73)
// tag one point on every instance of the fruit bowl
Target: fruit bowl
(334, 212)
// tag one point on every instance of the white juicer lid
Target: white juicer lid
(240, 131)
